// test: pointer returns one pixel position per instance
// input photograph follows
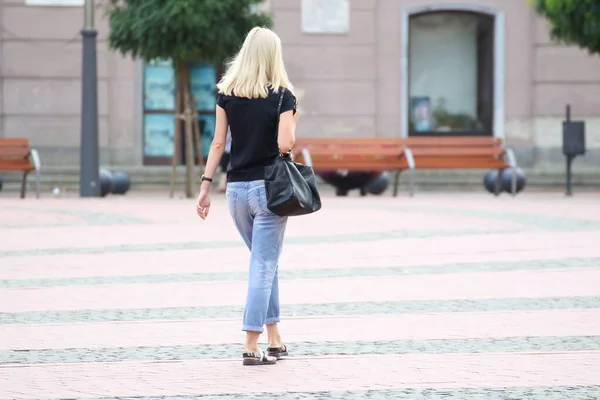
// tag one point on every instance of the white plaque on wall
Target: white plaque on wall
(326, 16)
(263, 7)
(54, 2)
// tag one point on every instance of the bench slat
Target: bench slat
(347, 141)
(452, 141)
(343, 162)
(470, 141)
(357, 151)
(456, 151)
(14, 142)
(372, 166)
(16, 165)
(11, 152)
(459, 163)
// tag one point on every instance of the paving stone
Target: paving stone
(309, 273)
(467, 285)
(434, 297)
(311, 374)
(305, 349)
(179, 245)
(537, 393)
(304, 310)
(428, 253)
(351, 328)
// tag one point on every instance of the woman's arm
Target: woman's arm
(287, 131)
(217, 147)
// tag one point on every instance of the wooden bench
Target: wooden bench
(398, 154)
(353, 154)
(17, 156)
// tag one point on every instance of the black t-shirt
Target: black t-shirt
(253, 124)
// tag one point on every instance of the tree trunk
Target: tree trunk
(189, 141)
(197, 135)
(177, 138)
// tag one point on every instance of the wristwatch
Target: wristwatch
(205, 178)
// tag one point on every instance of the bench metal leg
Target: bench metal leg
(37, 184)
(411, 177)
(498, 188)
(512, 161)
(307, 158)
(411, 166)
(396, 182)
(24, 184)
(513, 183)
(38, 167)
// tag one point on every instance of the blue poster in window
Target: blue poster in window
(159, 87)
(159, 134)
(202, 82)
(161, 63)
(421, 113)
(207, 132)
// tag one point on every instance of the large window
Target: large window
(159, 110)
(451, 73)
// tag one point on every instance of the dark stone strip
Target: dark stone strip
(355, 308)
(311, 273)
(306, 349)
(529, 393)
(298, 240)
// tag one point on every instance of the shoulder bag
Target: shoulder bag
(291, 187)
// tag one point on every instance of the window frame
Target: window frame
(162, 160)
(491, 21)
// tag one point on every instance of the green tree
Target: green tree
(183, 31)
(575, 22)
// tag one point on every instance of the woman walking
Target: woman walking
(254, 94)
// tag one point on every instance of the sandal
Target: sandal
(278, 352)
(260, 358)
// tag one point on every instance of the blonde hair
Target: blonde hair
(256, 68)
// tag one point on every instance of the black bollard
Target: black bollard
(121, 182)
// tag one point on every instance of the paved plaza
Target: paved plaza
(440, 296)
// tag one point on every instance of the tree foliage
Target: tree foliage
(182, 30)
(574, 22)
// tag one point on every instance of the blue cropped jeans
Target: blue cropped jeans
(262, 231)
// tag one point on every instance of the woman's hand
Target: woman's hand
(203, 204)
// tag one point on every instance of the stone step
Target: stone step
(158, 178)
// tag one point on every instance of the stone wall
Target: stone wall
(41, 85)
(349, 85)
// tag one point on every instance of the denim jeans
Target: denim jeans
(262, 231)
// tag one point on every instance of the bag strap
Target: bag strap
(279, 106)
(279, 115)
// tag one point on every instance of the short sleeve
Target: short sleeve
(221, 100)
(289, 101)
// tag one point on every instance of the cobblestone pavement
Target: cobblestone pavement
(432, 297)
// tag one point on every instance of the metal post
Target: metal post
(568, 190)
(89, 185)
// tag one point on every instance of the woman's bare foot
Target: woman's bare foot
(276, 347)
(251, 345)
(273, 335)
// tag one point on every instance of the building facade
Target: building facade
(360, 67)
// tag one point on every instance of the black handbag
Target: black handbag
(291, 187)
